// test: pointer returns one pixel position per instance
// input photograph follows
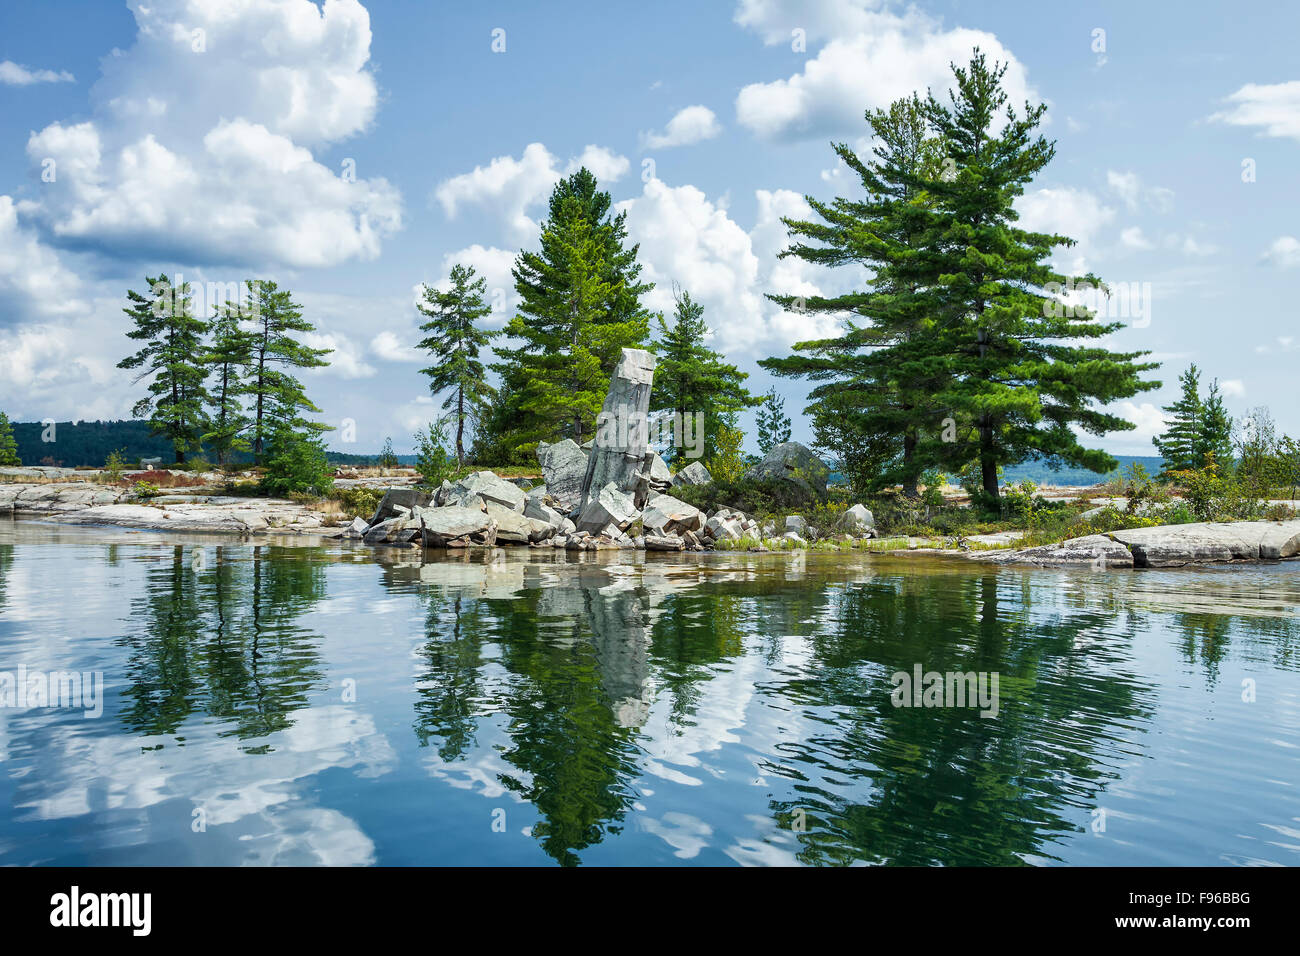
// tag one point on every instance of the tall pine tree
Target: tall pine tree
(278, 398)
(1015, 381)
(581, 305)
(873, 408)
(228, 356)
(171, 358)
(455, 340)
(690, 377)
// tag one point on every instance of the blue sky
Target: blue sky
(353, 151)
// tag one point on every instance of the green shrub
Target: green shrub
(433, 462)
(143, 490)
(115, 465)
(358, 502)
(296, 464)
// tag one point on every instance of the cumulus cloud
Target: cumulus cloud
(1067, 211)
(1284, 252)
(13, 74)
(387, 346)
(198, 146)
(689, 239)
(605, 164)
(34, 283)
(1275, 108)
(1132, 238)
(511, 188)
(1135, 194)
(1150, 420)
(1233, 388)
(872, 56)
(493, 265)
(691, 125)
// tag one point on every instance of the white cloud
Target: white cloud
(688, 239)
(1129, 187)
(873, 56)
(345, 359)
(1284, 343)
(1232, 388)
(1067, 211)
(1284, 252)
(691, 125)
(494, 265)
(511, 187)
(605, 164)
(1132, 238)
(1149, 419)
(203, 154)
(1275, 107)
(34, 283)
(387, 346)
(12, 74)
(1193, 247)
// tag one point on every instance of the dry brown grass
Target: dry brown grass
(163, 479)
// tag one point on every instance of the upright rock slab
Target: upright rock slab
(622, 430)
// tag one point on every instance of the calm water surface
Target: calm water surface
(267, 704)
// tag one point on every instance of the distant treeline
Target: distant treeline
(90, 443)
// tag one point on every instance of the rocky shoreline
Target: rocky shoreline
(610, 494)
(472, 513)
(1167, 546)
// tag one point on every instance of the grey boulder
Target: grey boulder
(490, 488)
(610, 506)
(794, 466)
(564, 466)
(693, 474)
(394, 498)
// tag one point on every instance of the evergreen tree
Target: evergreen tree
(432, 462)
(171, 357)
(8, 447)
(773, 423)
(1198, 427)
(874, 411)
(690, 377)
(229, 354)
(387, 457)
(454, 340)
(1216, 428)
(1013, 374)
(295, 462)
(727, 462)
(1182, 444)
(581, 305)
(278, 398)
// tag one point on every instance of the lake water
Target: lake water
(267, 704)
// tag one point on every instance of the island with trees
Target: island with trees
(590, 422)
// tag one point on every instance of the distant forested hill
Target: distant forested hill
(90, 443)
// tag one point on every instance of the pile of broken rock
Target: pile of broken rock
(604, 494)
(485, 509)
